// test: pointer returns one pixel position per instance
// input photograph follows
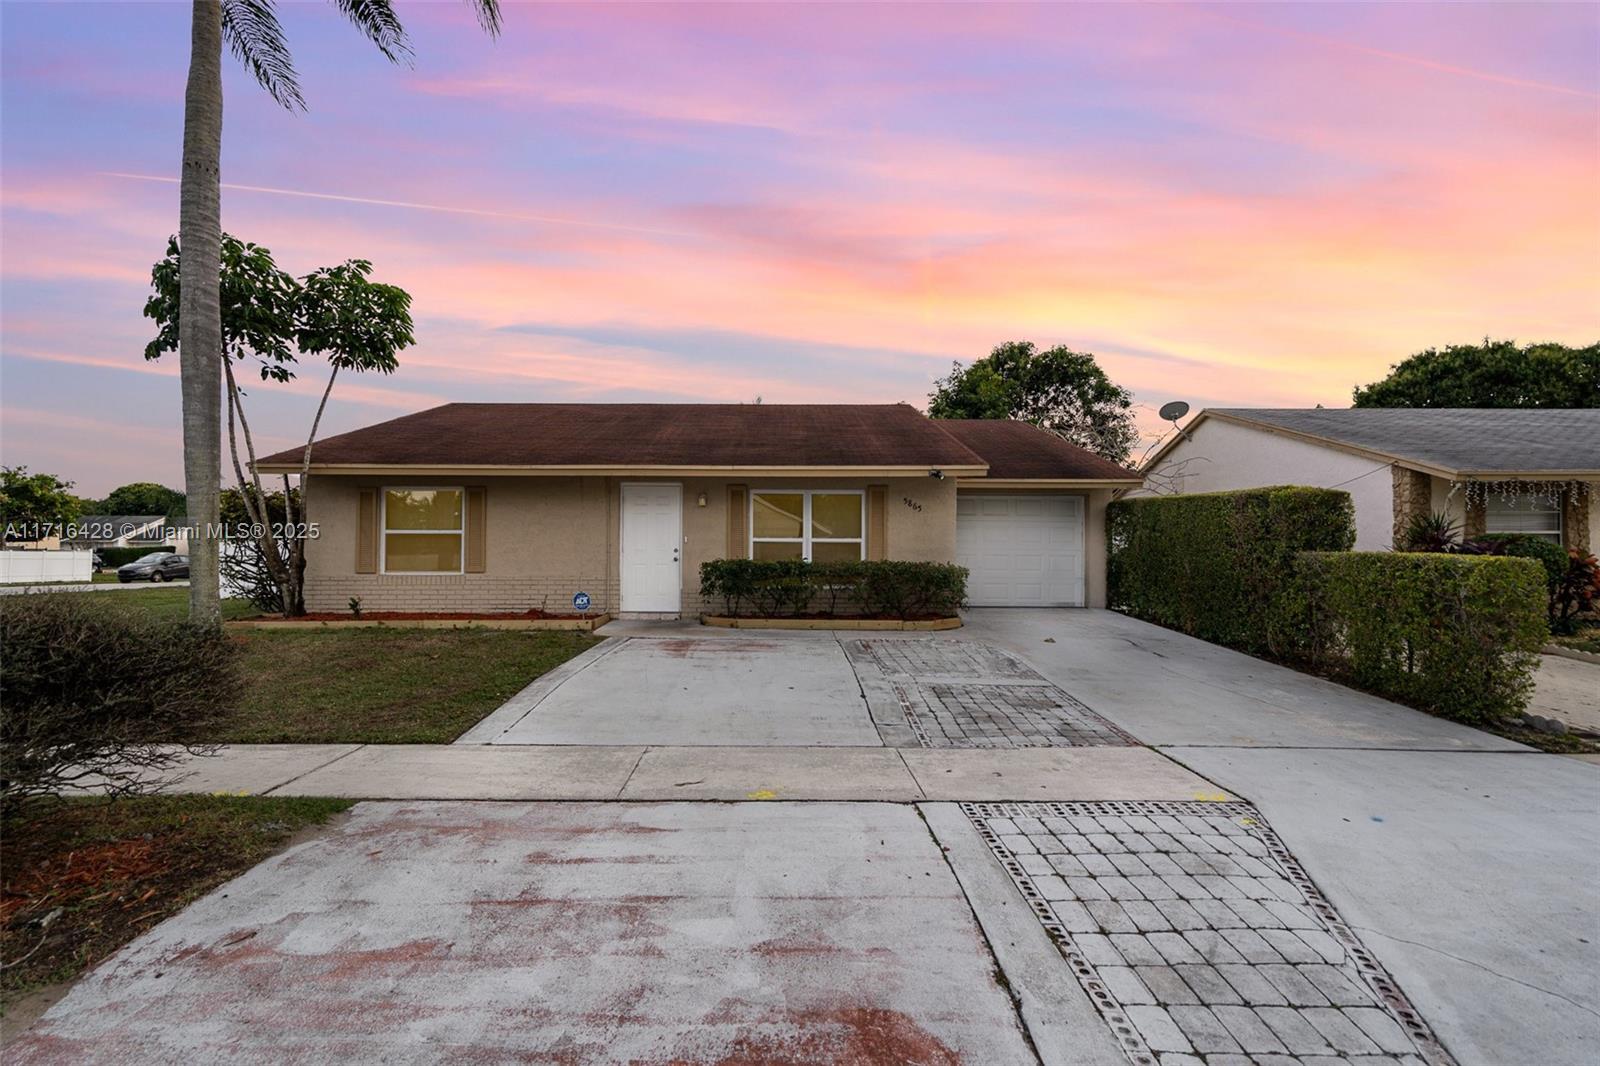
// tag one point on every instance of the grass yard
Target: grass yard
(110, 870)
(161, 601)
(385, 685)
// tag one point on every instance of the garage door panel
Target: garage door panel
(1024, 551)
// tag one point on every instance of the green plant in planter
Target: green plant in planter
(788, 587)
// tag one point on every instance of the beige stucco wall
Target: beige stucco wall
(549, 537)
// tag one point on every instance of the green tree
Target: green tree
(1058, 389)
(251, 30)
(32, 505)
(1491, 374)
(143, 497)
(270, 318)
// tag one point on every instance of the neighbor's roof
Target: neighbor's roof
(687, 437)
(1021, 451)
(1449, 441)
(111, 526)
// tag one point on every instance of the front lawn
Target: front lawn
(384, 685)
(110, 870)
(163, 601)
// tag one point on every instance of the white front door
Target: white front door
(1022, 551)
(652, 547)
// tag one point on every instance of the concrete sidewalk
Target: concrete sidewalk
(104, 586)
(644, 772)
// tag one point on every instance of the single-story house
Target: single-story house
(507, 507)
(1491, 470)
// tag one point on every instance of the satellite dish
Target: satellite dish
(1174, 410)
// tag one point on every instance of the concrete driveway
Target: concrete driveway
(789, 689)
(659, 933)
(1467, 862)
(1402, 889)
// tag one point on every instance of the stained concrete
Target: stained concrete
(752, 691)
(693, 933)
(1065, 1027)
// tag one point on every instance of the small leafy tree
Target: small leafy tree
(1491, 374)
(30, 504)
(270, 318)
(243, 561)
(1063, 391)
(143, 497)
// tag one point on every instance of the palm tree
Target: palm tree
(252, 32)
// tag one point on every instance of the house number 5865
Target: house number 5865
(909, 502)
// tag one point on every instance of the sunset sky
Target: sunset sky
(1232, 205)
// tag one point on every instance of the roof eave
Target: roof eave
(1048, 483)
(614, 470)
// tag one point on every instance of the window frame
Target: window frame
(805, 540)
(1559, 532)
(383, 530)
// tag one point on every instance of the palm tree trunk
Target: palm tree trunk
(199, 312)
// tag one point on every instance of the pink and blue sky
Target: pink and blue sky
(1232, 205)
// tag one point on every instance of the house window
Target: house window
(422, 531)
(1534, 516)
(821, 527)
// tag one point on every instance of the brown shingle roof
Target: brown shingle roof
(644, 434)
(1018, 450)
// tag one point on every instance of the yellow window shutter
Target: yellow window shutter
(367, 531)
(738, 515)
(877, 521)
(477, 533)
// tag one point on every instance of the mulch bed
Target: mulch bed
(84, 877)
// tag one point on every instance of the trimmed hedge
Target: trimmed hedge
(1213, 565)
(788, 588)
(111, 558)
(1456, 635)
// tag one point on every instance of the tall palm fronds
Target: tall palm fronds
(251, 31)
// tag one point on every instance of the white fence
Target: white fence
(32, 568)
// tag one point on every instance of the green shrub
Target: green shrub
(1455, 635)
(786, 588)
(1216, 565)
(111, 558)
(91, 692)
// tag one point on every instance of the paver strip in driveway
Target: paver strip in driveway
(1200, 938)
(970, 694)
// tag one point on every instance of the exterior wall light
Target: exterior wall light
(700, 500)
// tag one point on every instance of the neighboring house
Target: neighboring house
(125, 531)
(1492, 470)
(507, 507)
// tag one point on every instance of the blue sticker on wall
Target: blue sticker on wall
(580, 602)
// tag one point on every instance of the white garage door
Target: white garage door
(1023, 551)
